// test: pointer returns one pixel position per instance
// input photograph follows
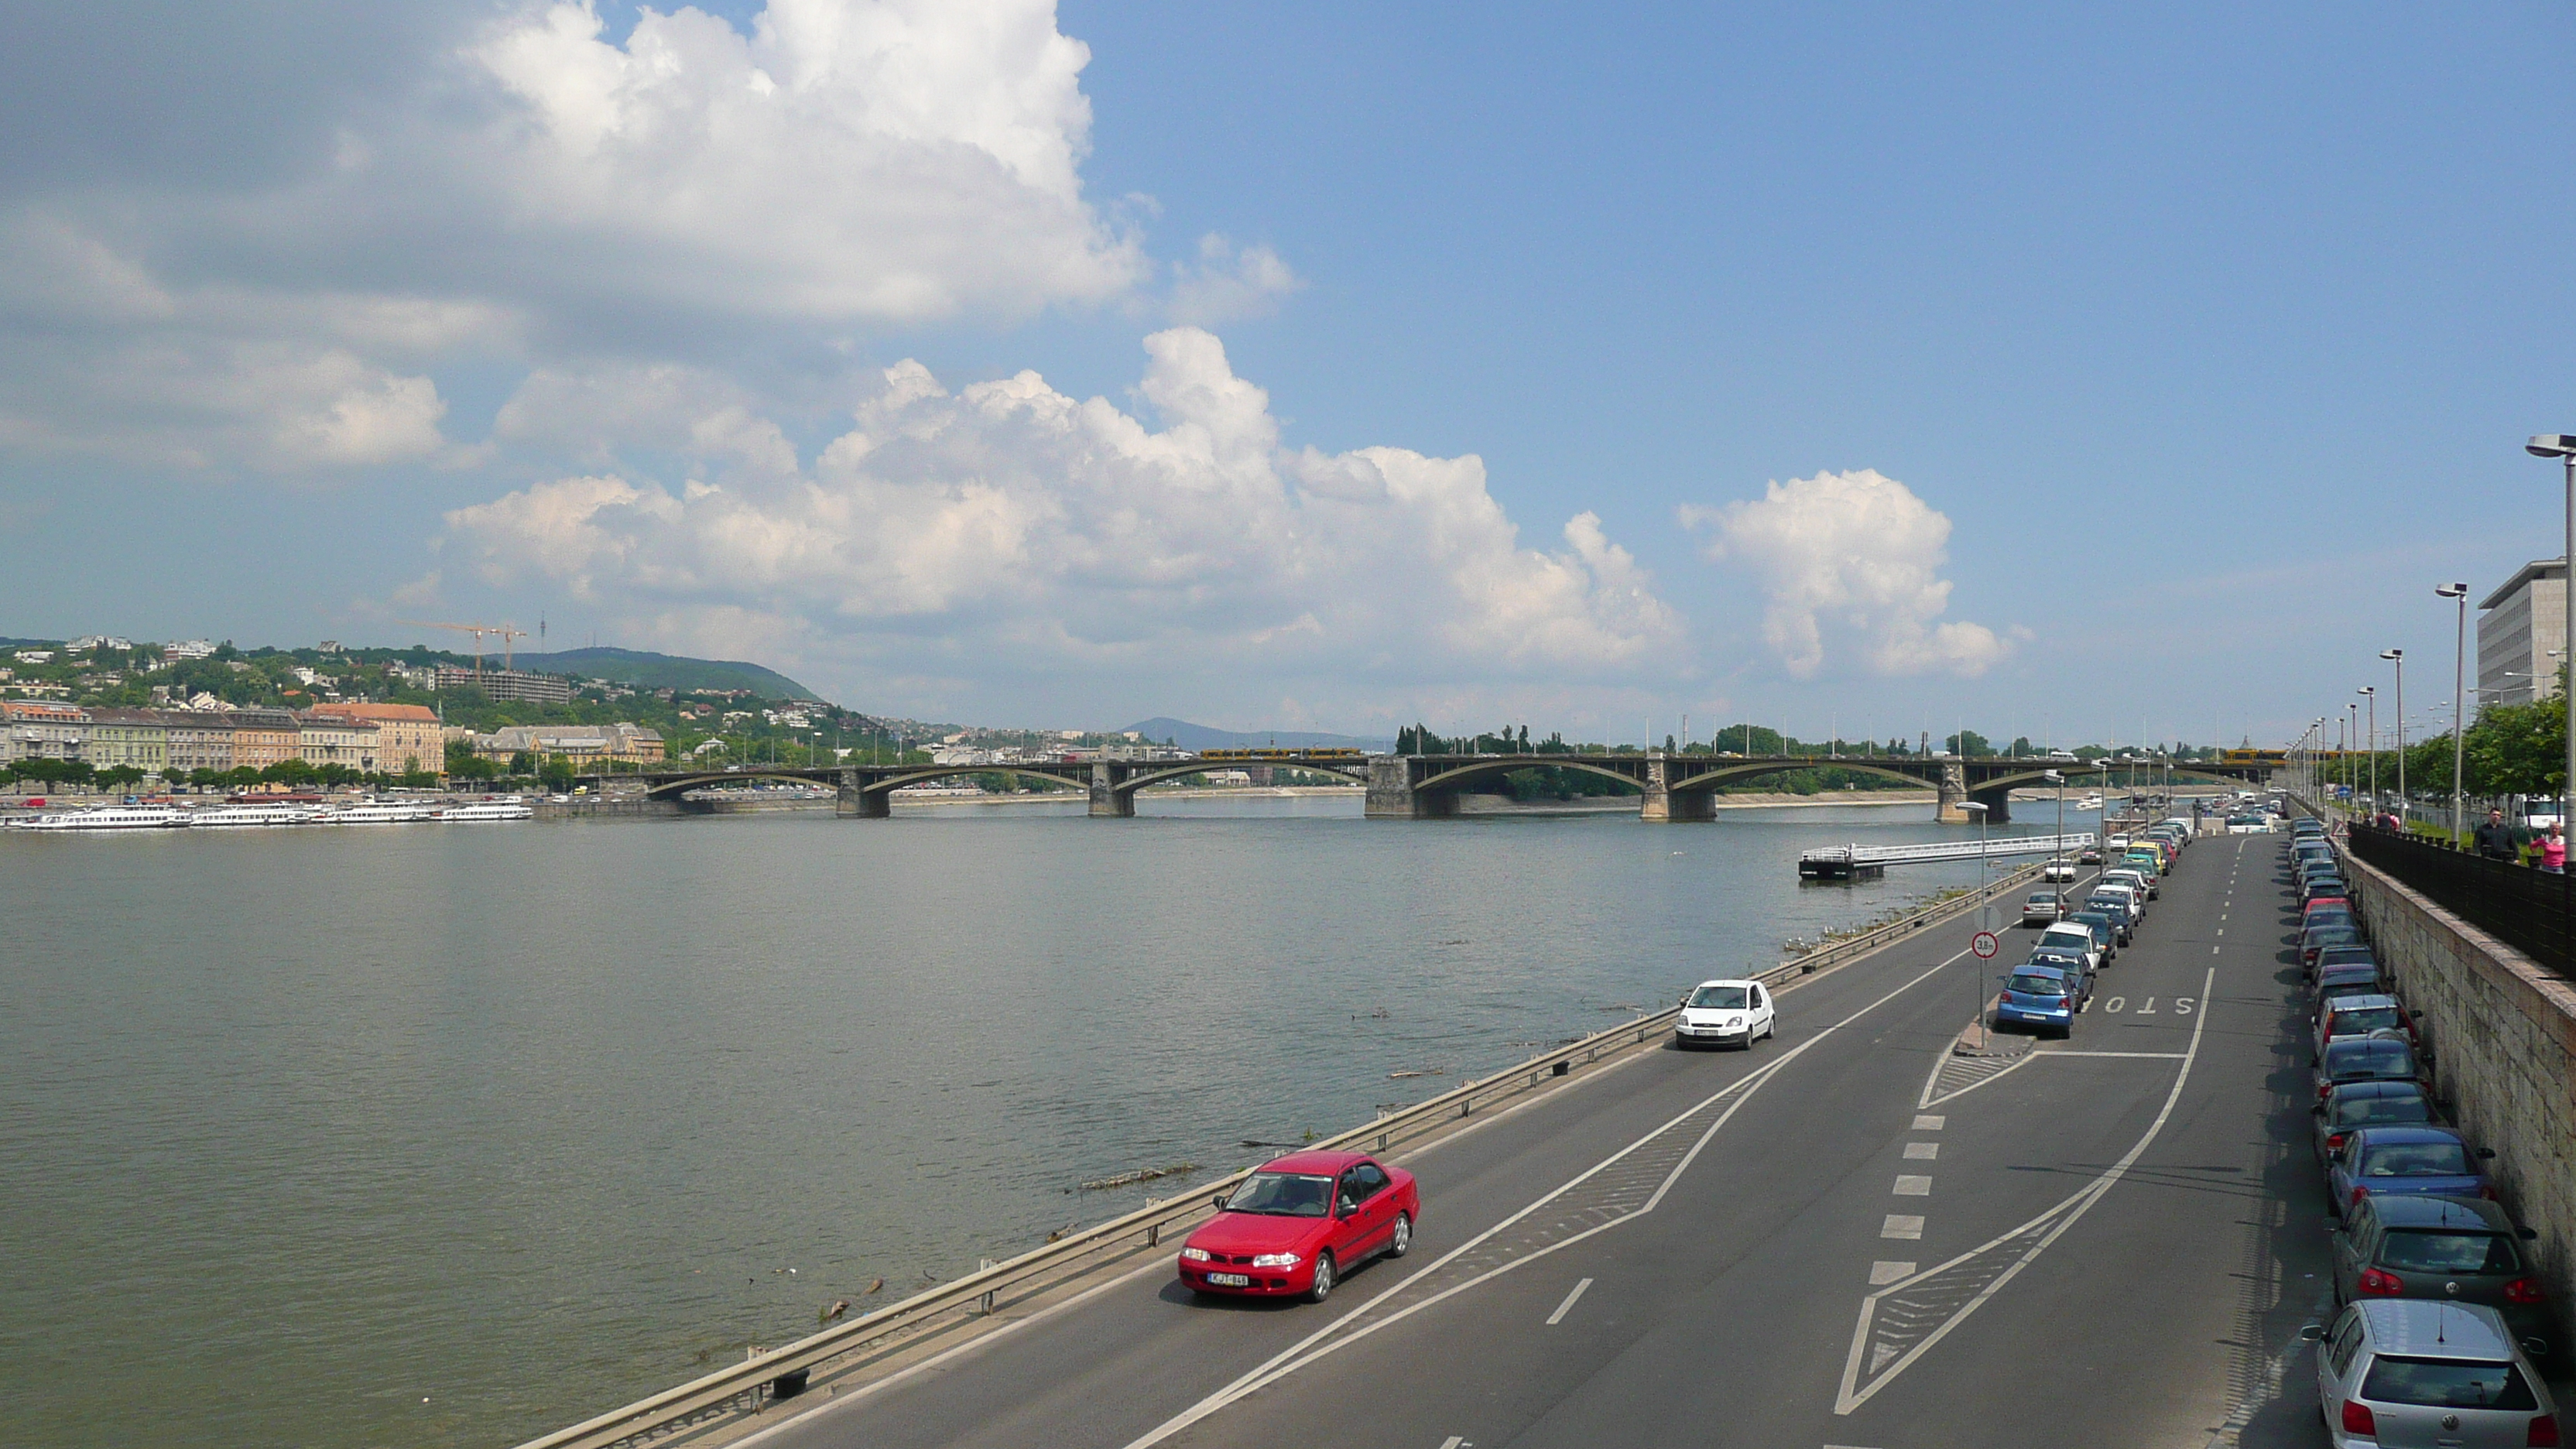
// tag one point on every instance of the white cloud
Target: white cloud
(1229, 284)
(1008, 529)
(541, 191)
(1856, 557)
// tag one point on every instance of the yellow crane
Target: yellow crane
(506, 633)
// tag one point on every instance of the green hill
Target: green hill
(647, 670)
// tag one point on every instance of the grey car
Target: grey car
(2450, 1249)
(2350, 1106)
(2419, 1371)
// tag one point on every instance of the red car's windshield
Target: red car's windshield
(1283, 1194)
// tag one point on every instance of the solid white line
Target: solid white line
(2073, 1209)
(1561, 1309)
(1297, 1355)
(2151, 1056)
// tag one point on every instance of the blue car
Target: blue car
(2406, 1161)
(2038, 997)
(2077, 971)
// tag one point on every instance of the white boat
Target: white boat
(485, 810)
(379, 812)
(223, 816)
(110, 817)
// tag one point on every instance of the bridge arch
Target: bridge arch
(1075, 776)
(674, 789)
(1453, 777)
(1357, 773)
(1725, 774)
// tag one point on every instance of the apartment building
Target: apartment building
(408, 736)
(508, 685)
(264, 737)
(134, 737)
(198, 739)
(328, 739)
(40, 730)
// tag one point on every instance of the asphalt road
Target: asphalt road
(1846, 1236)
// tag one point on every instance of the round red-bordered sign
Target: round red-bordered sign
(1985, 945)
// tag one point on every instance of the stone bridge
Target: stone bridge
(1671, 787)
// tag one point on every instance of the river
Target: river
(449, 1135)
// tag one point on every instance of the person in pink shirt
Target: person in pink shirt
(2553, 850)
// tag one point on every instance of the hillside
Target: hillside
(1201, 737)
(647, 670)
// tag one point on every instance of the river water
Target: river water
(435, 1135)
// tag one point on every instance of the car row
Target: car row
(2441, 1313)
(2080, 935)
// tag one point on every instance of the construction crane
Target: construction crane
(505, 631)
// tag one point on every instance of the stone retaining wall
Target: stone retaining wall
(2503, 1033)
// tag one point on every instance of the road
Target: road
(1847, 1236)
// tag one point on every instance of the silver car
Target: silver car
(2396, 1371)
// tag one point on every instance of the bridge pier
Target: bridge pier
(1108, 801)
(1998, 805)
(857, 803)
(1391, 795)
(1662, 805)
(1953, 788)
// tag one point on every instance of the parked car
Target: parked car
(2073, 939)
(2366, 1060)
(2364, 1014)
(2317, 938)
(2038, 997)
(1300, 1222)
(2350, 979)
(2409, 1371)
(2058, 871)
(2089, 855)
(2354, 955)
(2137, 880)
(2407, 1161)
(2448, 1249)
(2106, 932)
(2354, 1105)
(2042, 908)
(2319, 885)
(1726, 1013)
(2075, 964)
(2118, 907)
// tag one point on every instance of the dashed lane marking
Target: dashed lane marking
(1884, 1271)
(1899, 1225)
(1567, 1306)
(1922, 1151)
(1928, 1122)
(1913, 1186)
(1899, 1323)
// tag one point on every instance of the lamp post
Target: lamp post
(2459, 698)
(2398, 657)
(2057, 847)
(2562, 446)
(2370, 696)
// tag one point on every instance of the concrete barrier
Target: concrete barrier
(2503, 1034)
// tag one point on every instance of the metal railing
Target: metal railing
(784, 1372)
(2533, 911)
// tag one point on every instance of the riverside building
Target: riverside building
(2522, 635)
(40, 730)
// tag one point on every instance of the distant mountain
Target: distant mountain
(647, 670)
(1200, 737)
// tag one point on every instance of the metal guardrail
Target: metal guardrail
(784, 1372)
(2533, 911)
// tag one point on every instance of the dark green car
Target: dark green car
(2447, 1249)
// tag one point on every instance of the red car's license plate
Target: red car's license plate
(1230, 1280)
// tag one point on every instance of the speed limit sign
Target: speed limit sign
(1985, 945)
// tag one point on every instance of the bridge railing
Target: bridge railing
(783, 1372)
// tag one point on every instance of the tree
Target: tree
(1969, 742)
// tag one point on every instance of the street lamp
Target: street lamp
(2459, 698)
(1977, 972)
(2057, 872)
(2370, 694)
(2398, 657)
(2562, 446)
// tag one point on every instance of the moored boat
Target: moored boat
(109, 817)
(474, 811)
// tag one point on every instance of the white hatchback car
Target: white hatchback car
(1726, 1013)
(2428, 1371)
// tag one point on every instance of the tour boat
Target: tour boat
(483, 810)
(379, 812)
(109, 817)
(239, 815)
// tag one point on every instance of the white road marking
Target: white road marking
(1898, 1225)
(1922, 1151)
(1312, 1347)
(1910, 1186)
(2146, 1056)
(1454, 1441)
(1883, 1271)
(2213, 950)
(1561, 1309)
(1928, 1122)
(2066, 1214)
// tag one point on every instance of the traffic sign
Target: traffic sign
(1986, 945)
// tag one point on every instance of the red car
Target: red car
(1299, 1223)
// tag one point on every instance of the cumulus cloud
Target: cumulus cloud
(537, 189)
(1852, 556)
(1229, 284)
(1014, 527)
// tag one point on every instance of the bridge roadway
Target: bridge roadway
(2130, 1221)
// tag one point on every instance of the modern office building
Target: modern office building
(508, 685)
(2522, 635)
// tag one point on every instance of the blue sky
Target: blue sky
(2118, 371)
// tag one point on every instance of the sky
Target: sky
(2084, 376)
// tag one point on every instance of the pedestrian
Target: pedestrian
(2496, 840)
(2553, 851)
